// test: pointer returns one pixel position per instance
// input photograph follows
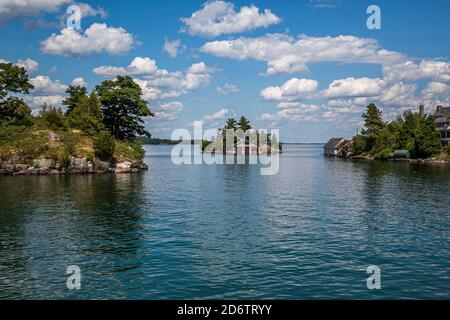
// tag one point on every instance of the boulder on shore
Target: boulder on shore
(44, 163)
(77, 165)
(80, 165)
(123, 167)
(21, 167)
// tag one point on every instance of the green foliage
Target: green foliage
(122, 107)
(70, 141)
(244, 124)
(383, 141)
(373, 124)
(126, 150)
(104, 146)
(411, 132)
(151, 140)
(53, 118)
(13, 110)
(80, 133)
(418, 135)
(76, 93)
(13, 79)
(205, 143)
(385, 154)
(359, 145)
(64, 160)
(86, 115)
(231, 124)
(373, 121)
(22, 141)
(402, 154)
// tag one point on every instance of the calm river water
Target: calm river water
(225, 231)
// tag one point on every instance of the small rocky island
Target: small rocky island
(96, 133)
(50, 155)
(242, 140)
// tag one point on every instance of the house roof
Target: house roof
(442, 114)
(333, 142)
(248, 143)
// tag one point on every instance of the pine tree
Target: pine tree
(76, 93)
(244, 124)
(374, 124)
(86, 115)
(231, 124)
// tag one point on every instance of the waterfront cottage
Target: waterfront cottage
(332, 146)
(244, 147)
(442, 119)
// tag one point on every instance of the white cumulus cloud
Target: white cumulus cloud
(79, 81)
(292, 112)
(10, 9)
(159, 83)
(291, 90)
(219, 115)
(172, 47)
(138, 66)
(39, 101)
(285, 54)
(426, 69)
(354, 87)
(227, 88)
(97, 38)
(43, 85)
(28, 64)
(216, 18)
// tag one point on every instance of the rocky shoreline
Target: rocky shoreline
(15, 167)
(415, 161)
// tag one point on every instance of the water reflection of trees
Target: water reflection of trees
(109, 209)
(49, 222)
(402, 195)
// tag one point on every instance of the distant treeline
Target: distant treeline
(151, 140)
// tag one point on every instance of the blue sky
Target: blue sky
(308, 68)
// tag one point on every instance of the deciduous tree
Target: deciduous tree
(122, 107)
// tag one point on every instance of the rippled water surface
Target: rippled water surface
(225, 231)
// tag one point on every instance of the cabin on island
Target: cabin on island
(332, 146)
(245, 147)
(442, 120)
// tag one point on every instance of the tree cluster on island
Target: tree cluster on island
(411, 131)
(242, 130)
(98, 125)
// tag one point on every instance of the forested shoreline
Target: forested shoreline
(96, 133)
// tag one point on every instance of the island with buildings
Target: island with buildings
(413, 136)
(238, 138)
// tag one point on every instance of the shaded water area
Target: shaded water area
(225, 231)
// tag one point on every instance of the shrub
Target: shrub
(205, 143)
(359, 145)
(86, 115)
(64, 160)
(138, 151)
(128, 150)
(53, 118)
(385, 154)
(104, 146)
